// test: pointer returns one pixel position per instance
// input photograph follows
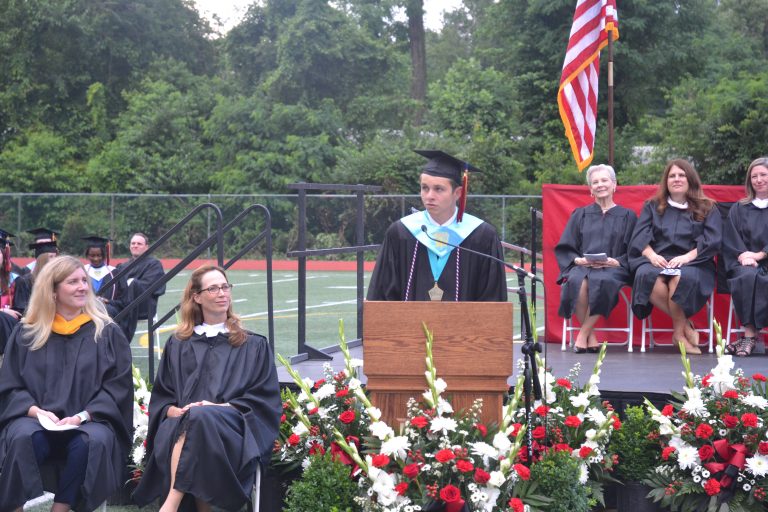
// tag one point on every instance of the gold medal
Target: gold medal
(436, 293)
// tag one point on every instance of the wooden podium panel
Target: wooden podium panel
(472, 351)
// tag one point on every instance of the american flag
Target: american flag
(577, 96)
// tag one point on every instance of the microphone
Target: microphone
(519, 270)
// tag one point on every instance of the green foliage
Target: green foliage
(557, 474)
(324, 485)
(42, 161)
(637, 453)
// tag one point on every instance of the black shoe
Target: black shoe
(579, 350)
(593, 350)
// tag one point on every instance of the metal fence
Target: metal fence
(331, 218)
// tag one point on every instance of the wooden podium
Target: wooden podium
(472, 351)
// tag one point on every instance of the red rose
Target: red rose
(760, 377)
(464, 466)
(380, 460)
(445, 455)
(316, 448)
(319, 383)
(585, 451)
(515, 429)
(712, 487)
(539, 433)
(541, 410)
(401, 488)
(668, 411)
(283, 418)
(293, 439)
(706, 452)
(342, 393)
(562, 447)
(749, 419)
(411, 471)
(704, 431)
(731, 394)
(313, 411)
(762, 448)
(563, 383)
(523, 471)
(572, 421)
(730, 420)
(482, 428)
(450, 493)
(347, 416)
(616, 422)
(705, 380)
(286, 405)
(516, 504)
(481, 476)
(666, 452)
(419, 422)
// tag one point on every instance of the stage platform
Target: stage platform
(629, 375)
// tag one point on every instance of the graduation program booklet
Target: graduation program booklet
(48, 423)
(596, 258)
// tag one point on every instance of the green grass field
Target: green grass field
(330, 297)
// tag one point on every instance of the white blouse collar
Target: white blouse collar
(211, 331)
(675, 204)
(760, 203)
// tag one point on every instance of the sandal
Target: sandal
(731, 348)
(746, 347)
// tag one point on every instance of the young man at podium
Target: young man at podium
(422, 258)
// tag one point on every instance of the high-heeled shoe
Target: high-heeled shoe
(579, 350)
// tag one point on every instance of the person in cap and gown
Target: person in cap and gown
(68, 367)
(590, 288)
(116, 295)
(411, 266)
(8, 317)
(142, 274)
(215, 408)
(45, 251)
(745, 251)
(42, 236)
(672, 251)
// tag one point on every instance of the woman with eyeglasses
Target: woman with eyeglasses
(215, 407)
(745, 251)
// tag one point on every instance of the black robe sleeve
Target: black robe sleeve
(386, 279)
(569, 246)
(22, 291)
(642, 236)
(7, 324)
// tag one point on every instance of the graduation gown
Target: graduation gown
(673, 234)
(71, 373)
(222, 444)
(7, 324)
(479, 279)
(590, 231)
(747, 230)
(22, 291)
(140, 277)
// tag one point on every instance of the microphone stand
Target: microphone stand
(531, 384)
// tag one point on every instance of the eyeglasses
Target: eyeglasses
(214, 290)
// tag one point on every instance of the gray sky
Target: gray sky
(230, 11)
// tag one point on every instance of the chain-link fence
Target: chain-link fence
(331, 218)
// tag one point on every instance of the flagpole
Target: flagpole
(610, 98)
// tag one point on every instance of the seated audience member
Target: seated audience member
(7, 276)
(215, 407)
(672, 251)
(66, 365)
(22, 289)
(42, 236)
(745, 250)
(591, 286)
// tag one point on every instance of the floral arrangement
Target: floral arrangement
(141, 396)
(713, 441)
(573, 419)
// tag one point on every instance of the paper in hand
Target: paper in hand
(48, 424)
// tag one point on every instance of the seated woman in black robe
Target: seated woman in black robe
(66, 365)
(745, 250)
(672, 251)
(215, 407)
(590, 287)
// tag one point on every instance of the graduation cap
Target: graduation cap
(443, 165)
(100, 242)
(45, 241)
(5, 248)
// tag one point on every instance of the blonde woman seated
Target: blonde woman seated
(672, 251)
(215, 407)
(745, 250)
(590, 287)
(67, 365)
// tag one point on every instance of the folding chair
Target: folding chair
(568, 328)
(732, 326)
(256, 492)
(647, 328)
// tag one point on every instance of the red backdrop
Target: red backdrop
(558, 202)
